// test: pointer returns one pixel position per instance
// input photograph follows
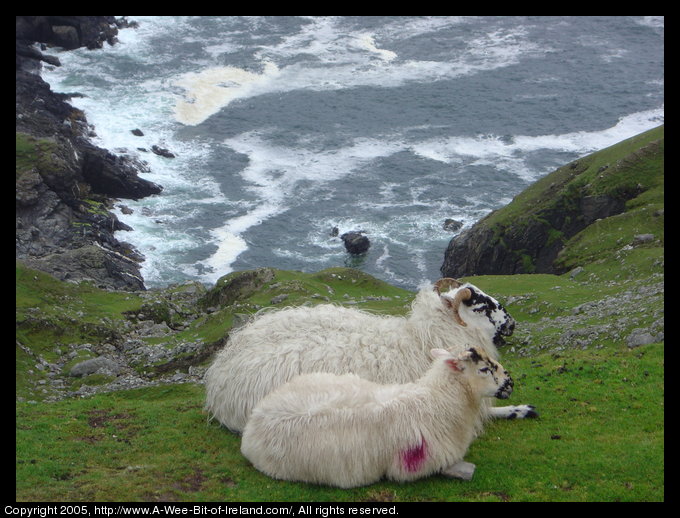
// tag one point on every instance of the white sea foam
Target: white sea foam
(367, 41)
(273, 173)
(338, 59)
(208, 91)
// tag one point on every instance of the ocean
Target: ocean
(287, 127)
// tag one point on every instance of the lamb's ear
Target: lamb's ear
(454, 363)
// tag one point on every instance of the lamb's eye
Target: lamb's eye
(484, 369)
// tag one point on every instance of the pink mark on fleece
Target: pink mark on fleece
(413, 458)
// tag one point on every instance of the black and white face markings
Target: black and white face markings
(494, 311)
(489, 367)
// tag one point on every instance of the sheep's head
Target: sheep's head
(487, 376)
(454, 293)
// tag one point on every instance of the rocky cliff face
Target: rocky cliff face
(527, 235)
(65, 185)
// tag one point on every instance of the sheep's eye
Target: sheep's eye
(484, 369)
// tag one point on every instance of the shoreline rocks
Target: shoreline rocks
(65, 185)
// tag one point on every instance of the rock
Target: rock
(69, 32)
(640, 337)
(279, 298)
(87, 367)
(452, 225)
(115, 176)
(65, 36)
(355, 242)
(137, 132)
(63, 221)
(161, 151)
(104, 267)
(235, 286)
(642, 239)
(573, 273)
(149, 328)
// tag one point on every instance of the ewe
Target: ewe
(346, 431)
(278, 345)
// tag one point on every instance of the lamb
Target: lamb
(281, 344)
(346, 431)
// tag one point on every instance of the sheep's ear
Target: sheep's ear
(455, 364)
(440, 353)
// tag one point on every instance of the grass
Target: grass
(599, 437)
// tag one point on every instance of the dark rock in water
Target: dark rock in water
(334, 232)
(69, 32)
(137, 132)
(452, 224)
(115, 176)
(355, 242)
(161, 151)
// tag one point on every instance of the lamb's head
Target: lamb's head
(487, 377)
(467, 302)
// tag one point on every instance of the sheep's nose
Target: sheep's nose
(506, 389)
(508, 327)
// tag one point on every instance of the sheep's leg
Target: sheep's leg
(513, 412)
(462, 470)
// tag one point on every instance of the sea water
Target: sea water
(286, 127)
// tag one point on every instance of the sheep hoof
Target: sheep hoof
(462, 470)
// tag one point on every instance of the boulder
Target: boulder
(355, 242)
(161, 151)
(452, 225)
(101, 363)
(235, 286)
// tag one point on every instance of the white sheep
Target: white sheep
(346, 431)
(278, 345)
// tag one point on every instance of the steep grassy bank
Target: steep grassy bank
(531, 234)
(588, 352)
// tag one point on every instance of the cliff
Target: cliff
(530, 234)
(65, 185)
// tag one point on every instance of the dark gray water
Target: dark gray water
(285, 127)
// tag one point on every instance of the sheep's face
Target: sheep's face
(483, 305)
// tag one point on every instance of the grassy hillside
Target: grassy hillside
(532, 234)
(588, 352)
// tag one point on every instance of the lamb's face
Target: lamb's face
(487, 376)
(484, 305)
(495, 378)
